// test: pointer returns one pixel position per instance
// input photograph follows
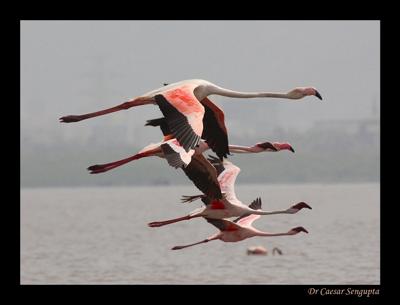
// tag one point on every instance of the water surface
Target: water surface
(100, 236)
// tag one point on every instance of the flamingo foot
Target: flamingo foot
(95, 167)
(156, 224)
(71, 118)
(98, 168)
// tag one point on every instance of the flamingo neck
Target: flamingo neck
(237, 94)
(242, 149)
(262, 212)
(260, 233)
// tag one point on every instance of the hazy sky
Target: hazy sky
(73, 67)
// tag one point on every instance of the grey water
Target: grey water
(100, 235)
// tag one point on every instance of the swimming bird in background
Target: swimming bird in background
(239, 229)
(170, 149)
(216, 180)
(257, 250)
(190, 114)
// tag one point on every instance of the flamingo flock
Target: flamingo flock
(191, 125)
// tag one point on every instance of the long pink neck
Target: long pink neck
(260, 233)
(262, 212)
(244, 149)
(238, 94)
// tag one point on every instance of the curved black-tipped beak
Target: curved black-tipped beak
(291, 149)
(299, 229)
(318, 95)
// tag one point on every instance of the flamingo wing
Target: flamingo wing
(256, 204)
(227, 173)
(204, 176)
(217, 163)
(247, 220)
(184, 116)
(175, 154)
(214, 129)
(162, 122)
(223, 224)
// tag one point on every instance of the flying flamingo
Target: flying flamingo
(170, 149)
(239, 229)
(219, 194)
(190, 114)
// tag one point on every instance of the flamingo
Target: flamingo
(170, 149)
(257, 250)
(219, 194)
(190, 114)
(239, 229)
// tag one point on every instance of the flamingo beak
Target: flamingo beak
(318, 95)
(291, 149)
(299, 229)
(301, 205)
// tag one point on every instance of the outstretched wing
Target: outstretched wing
(175, 154)
(214, 129)
(223, 224)
(256, 204)
(162, 122)
(226, 176)
(204, 176)
(184, 116)
(217, 163)
(247, 220)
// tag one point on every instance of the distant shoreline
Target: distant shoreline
(277, 184)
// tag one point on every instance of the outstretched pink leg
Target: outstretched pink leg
(166, 222)
(136, 102)
(200, 242)
(101, 168)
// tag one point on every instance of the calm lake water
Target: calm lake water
(100, 236)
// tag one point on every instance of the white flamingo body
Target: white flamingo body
(235, 236)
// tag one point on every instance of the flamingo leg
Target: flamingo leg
(186, 246)
(101, 168)
(136, 102)
(166, 222)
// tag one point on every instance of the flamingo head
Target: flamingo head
(274, 146)
(267, 146)
(300, 92)
(297, 230)
(283, 146)
(297, 207)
